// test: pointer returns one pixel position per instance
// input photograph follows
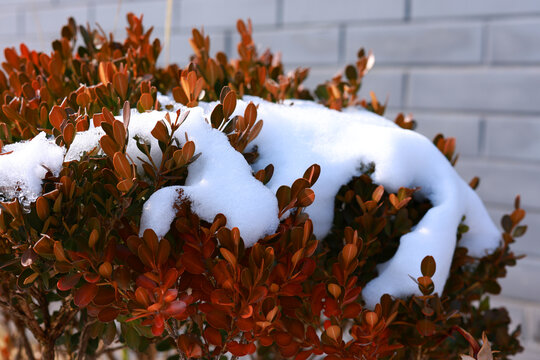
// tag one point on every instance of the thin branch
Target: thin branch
(21, 311)
(83, 341)
(110, 350)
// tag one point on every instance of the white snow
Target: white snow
(298, 134)
(219, 181)
(84, 142)
(158, 211)
(295, 135)
(23, 166)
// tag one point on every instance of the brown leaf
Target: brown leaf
(68, 282)
(334, 332)
(59, 252)
(57, 116)
(349, 253)
(312, 174)
(120, 84)
(146, 101)
(229, 104)
(122, 166)
(42, 208)
(428, 266)
(69, 133)
(108, 314)
(84, 295)
(229, 256)
(160, 132)
(425, 327)
(305, 198)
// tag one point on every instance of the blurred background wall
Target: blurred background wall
(469, 69)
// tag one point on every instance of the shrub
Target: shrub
(79, 276)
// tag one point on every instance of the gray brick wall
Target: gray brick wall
(469, 69)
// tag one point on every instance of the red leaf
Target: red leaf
(352, 310)
(68, 282)
(158, 326)
(105, 296)
(170, 278)
(303, 355)
(305, 198)
(108, 314)
(213, 336)
(238, 349)
(175, 308)
(57, 116)
(91, 277)
(84, 295)
(425, 327)
(193, 264)
(145, 282)
(218, 319)
(221, 297)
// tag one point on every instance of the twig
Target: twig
(83, 341)
(22, 312)
(108, 351)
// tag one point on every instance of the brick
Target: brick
(465, 128)
(513, 137)
(531, 352)
(533, 326)
(110, 17)
(501, 181)
(462, 8)
(382, 82)
(528, 243)
(211, 13)
(515, 41)
(319, 74)
(303, 11)
(181, 49)
(521, 282)
(49, 20)
(476, 89)
(418, 44)
(8, 23)
(299, 47)
(516, 310)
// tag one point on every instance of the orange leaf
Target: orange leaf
(120, 84)
(229, 256)
(334, 332)
(42, 208)
(428, 266)
(57, 116)
(305, 198)
(122, 166)
(229, 104)
(69, 133)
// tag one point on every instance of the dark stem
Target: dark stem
(47, 350)
(83, 341)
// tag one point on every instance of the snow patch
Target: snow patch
(23, 166)
(300, 133)
(295, 135)
(219, 181)
(159, 212)
(84, 142)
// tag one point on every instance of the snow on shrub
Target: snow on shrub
(242, 213)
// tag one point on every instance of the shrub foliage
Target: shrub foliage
(76, 275)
